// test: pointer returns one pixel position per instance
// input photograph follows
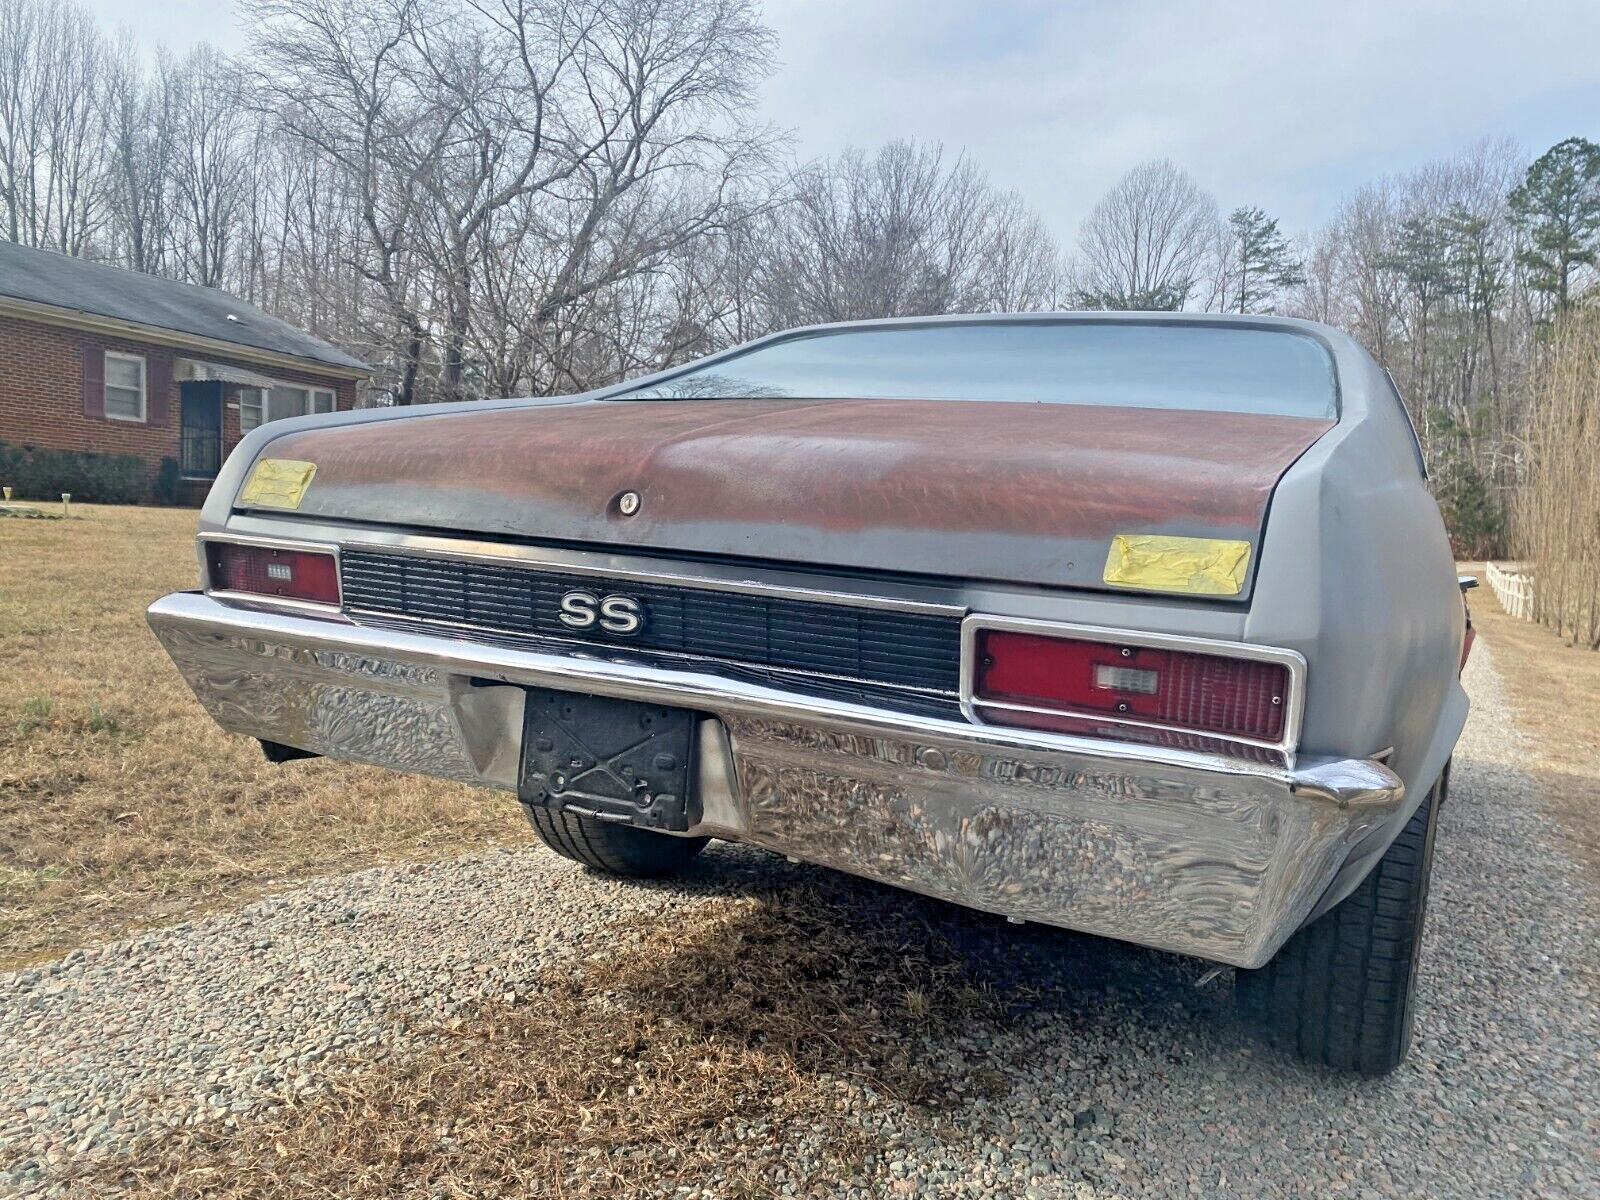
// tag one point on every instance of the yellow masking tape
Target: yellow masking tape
(277, 483)
(1195, 566)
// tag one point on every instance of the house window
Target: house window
(252, 408)
(125, 387)
(258, 405)
(286, 401)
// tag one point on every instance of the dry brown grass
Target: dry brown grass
(1557, 510)
(121, 804)
(694, 1053)
(1555, 688)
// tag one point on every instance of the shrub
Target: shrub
(39, 474)
(168, 482)
(1471, 507)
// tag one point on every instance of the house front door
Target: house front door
(200, 430)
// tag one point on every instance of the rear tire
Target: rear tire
(613, 849)
(1341, 991)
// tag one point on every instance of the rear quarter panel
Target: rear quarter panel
(1357, 574)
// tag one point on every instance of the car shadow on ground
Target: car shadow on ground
(768, 1014)
(856, 977)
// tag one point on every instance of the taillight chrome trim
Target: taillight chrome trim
(1292, 660)
(270, 543)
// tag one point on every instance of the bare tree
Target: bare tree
(210, 163)
(903, 232)
(1021, 269)
(52, 143)
(21, 24)
(337, 74)
(1365, 226)
(1319, 296)
(1145, 244)
(639, 149)
(141, 117)
(515, 158)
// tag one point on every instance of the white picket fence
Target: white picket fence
(1513, 587)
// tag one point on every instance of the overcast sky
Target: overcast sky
(1286, 104)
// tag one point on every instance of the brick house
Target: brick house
(99, 360)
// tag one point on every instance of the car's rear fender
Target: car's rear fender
(1356, 573)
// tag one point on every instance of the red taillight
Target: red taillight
(266, 571)
(1056, 682)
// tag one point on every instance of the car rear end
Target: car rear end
(1118, 668)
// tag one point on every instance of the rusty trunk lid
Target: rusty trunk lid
(1025, 493)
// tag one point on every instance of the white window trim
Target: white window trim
(312, 392)
(260, 407)
(144, 388)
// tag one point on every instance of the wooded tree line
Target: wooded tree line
(496, 197)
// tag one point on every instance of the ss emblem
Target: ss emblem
(614, 614)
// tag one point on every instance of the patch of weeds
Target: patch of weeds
(20, 877)
(99, 721)
(36, 713)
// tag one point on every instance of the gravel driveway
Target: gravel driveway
(1145, 1088)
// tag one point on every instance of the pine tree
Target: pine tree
(1262, 261)
(1421, 258)
(1478, 273)
(1165, 298)
(1557, 209)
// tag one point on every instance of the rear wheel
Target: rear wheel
(1340, 993)
(611, 848)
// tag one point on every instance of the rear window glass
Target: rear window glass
(1068, 362)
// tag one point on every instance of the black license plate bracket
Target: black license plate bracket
(616, 760)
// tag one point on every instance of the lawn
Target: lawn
(121, 804)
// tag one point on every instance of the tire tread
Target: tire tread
(1340, 992)
(612, 849)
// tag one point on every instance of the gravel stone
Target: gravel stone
(1147, 1088)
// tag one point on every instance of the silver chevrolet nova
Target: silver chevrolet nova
(1140, 625)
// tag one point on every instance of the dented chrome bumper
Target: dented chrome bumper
(1184, 852)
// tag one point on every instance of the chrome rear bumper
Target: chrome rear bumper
(1185, 852)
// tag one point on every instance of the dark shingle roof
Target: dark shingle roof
(45, 277)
